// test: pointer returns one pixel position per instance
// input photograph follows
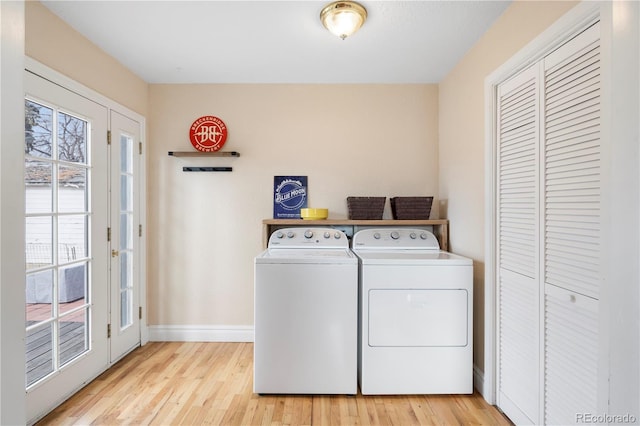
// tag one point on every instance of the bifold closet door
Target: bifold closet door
(572, 227)
(518, 246)
(549, 235)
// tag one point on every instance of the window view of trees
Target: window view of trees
(38, 127)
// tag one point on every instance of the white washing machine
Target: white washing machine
(416, 320)
(306, 314)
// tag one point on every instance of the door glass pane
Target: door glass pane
(72, 189)
(125, 308)
(126, 193)
(126, 278)
(126, 231)
(39, 294)
(125, 269)
(72, 287)
(74, 335)
(38, 129)
(39, 243)
(72, 138)
(39, 192)
(72, 237)
(126, 154)
(39, 352)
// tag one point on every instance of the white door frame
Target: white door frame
(567, 26)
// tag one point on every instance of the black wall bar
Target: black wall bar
(207, 169)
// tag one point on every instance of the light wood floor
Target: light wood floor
(173, 383)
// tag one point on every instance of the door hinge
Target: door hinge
(108, 331)
(108, 137)
(140, 147)
(108, 234)
(140, 230)
(139, 312)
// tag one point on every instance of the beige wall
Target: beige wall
(205, 228)
(461, 112)
(52, 42)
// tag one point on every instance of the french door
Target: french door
(82, 240)
(67, 267)
(125, 316)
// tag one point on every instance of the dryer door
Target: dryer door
(418, 317)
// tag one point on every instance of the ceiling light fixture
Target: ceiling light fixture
(343, 18)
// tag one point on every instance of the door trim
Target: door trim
(569, 25)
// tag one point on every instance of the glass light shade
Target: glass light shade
(343, 18)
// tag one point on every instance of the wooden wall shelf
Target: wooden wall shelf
(204, 154)
(440, 226)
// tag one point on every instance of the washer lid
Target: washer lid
(308, 256)
(410, 257)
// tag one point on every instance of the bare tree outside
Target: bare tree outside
(38, 126)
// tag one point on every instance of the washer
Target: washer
(306, 314)
(415, 325)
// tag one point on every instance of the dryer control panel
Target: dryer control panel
(308, 238)
(395, 238)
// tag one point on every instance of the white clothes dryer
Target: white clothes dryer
(306, 314)
(416, 321)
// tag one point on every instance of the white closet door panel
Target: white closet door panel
(571, 359)
(519, 342)
(518, 175)
(572, 156)
(518, 246)
(572, 227)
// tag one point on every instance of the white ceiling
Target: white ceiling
(280, 41)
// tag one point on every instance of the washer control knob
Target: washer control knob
(376, 235)
(337, 235)
(279, 234)
(327, 234)
(424, 235)
(413, 235)
(308, 233)
(395, 235)
(290, 234)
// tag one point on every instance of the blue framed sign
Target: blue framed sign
(290, 194)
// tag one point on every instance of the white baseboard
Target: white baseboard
(478, 379)
(201, 333)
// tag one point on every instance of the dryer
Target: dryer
(415, 327)
(306, 314)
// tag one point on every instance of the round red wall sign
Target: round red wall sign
(208, 133)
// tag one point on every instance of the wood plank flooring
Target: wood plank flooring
(177, 383)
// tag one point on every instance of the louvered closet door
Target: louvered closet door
(518, 230)
(572, 226)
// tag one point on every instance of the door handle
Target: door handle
(115, 253)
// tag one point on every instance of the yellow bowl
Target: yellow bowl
(314, 214)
